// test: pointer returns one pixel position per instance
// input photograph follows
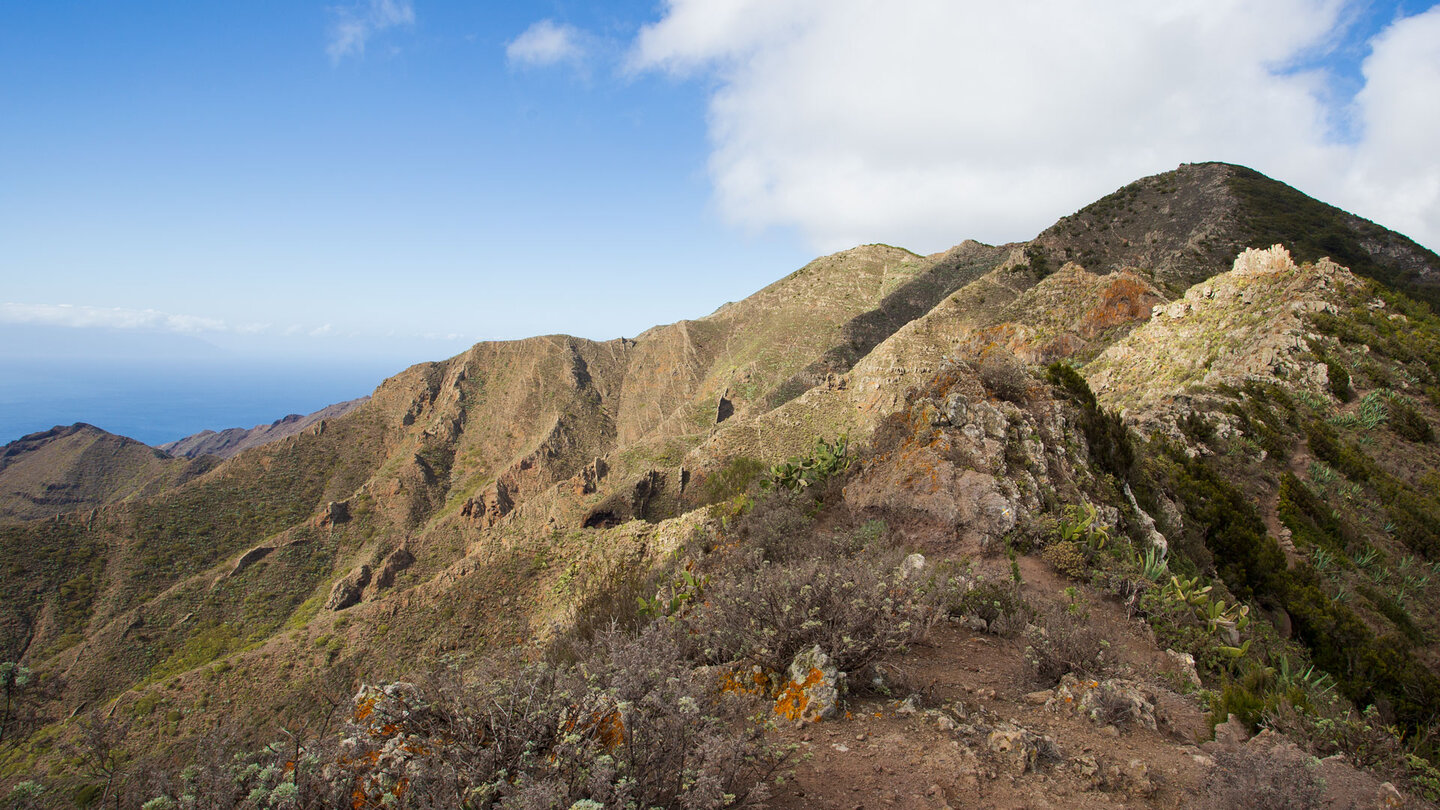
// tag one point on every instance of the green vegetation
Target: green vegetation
(825, 461)
(1276, 213)
(1106, 435)
(733, 479)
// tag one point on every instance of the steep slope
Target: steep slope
(228, 442)
(1186, 225)
(66, 469)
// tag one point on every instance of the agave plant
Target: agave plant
(1367, 558)
(1291, 676)
(1152, 565)
(1373, 412)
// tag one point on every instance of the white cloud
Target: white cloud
(546, 43)
(925, 122)
(1394, 174)
(355, 25)
(106, 318)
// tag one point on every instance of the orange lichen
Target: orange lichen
(610, 729)
(794, 698)
(754, 682)
(364, 709)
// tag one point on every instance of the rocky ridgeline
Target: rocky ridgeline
(1247, 323)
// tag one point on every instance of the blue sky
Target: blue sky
(214, 161)
(391, 180)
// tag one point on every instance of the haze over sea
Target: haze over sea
(160, 401)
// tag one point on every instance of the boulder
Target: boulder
(1113, 702)
(349, 589)
(394, 562)
(334, 512)
(813, 688)
(1021, 749)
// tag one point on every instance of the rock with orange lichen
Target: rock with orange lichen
(380, 753)
(813, 689)
(1113, 701)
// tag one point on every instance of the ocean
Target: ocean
(160, 402)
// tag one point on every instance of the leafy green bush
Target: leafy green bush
(1311, 523)
(994, 604)
(1325, 443)
(731, 480)
(1339, 381)
(1408, 423)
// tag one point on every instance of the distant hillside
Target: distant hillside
(1185, 224)
(66, 469)
(227, 443)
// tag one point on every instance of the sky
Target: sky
(381, 182)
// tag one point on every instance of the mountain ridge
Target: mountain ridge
(457, 508)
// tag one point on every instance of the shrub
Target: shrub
(1068, 558)
(1063, 643)
(1367, 741)
(1259, 779)
(1004, 376)
(1408, 423)
(1197, 428)
(996, 605)
(1310, 521)
(606, 601)
(1105, 432)
(731, 480)
(779, 526)
(763, 613)
(633, 726)
(1339, 381)
(1326, 446)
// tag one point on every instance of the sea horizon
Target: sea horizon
(156, 402)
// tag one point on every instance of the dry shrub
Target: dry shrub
(779, 526)
(1065, 642)
(1252, 778)
(631, 726)
(1004, 376)
(856, 608)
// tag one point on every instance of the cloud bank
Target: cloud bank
(88, 317)
(355, 25)
(926, 122)
(546, 43)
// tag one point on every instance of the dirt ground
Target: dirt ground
(937, 751)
